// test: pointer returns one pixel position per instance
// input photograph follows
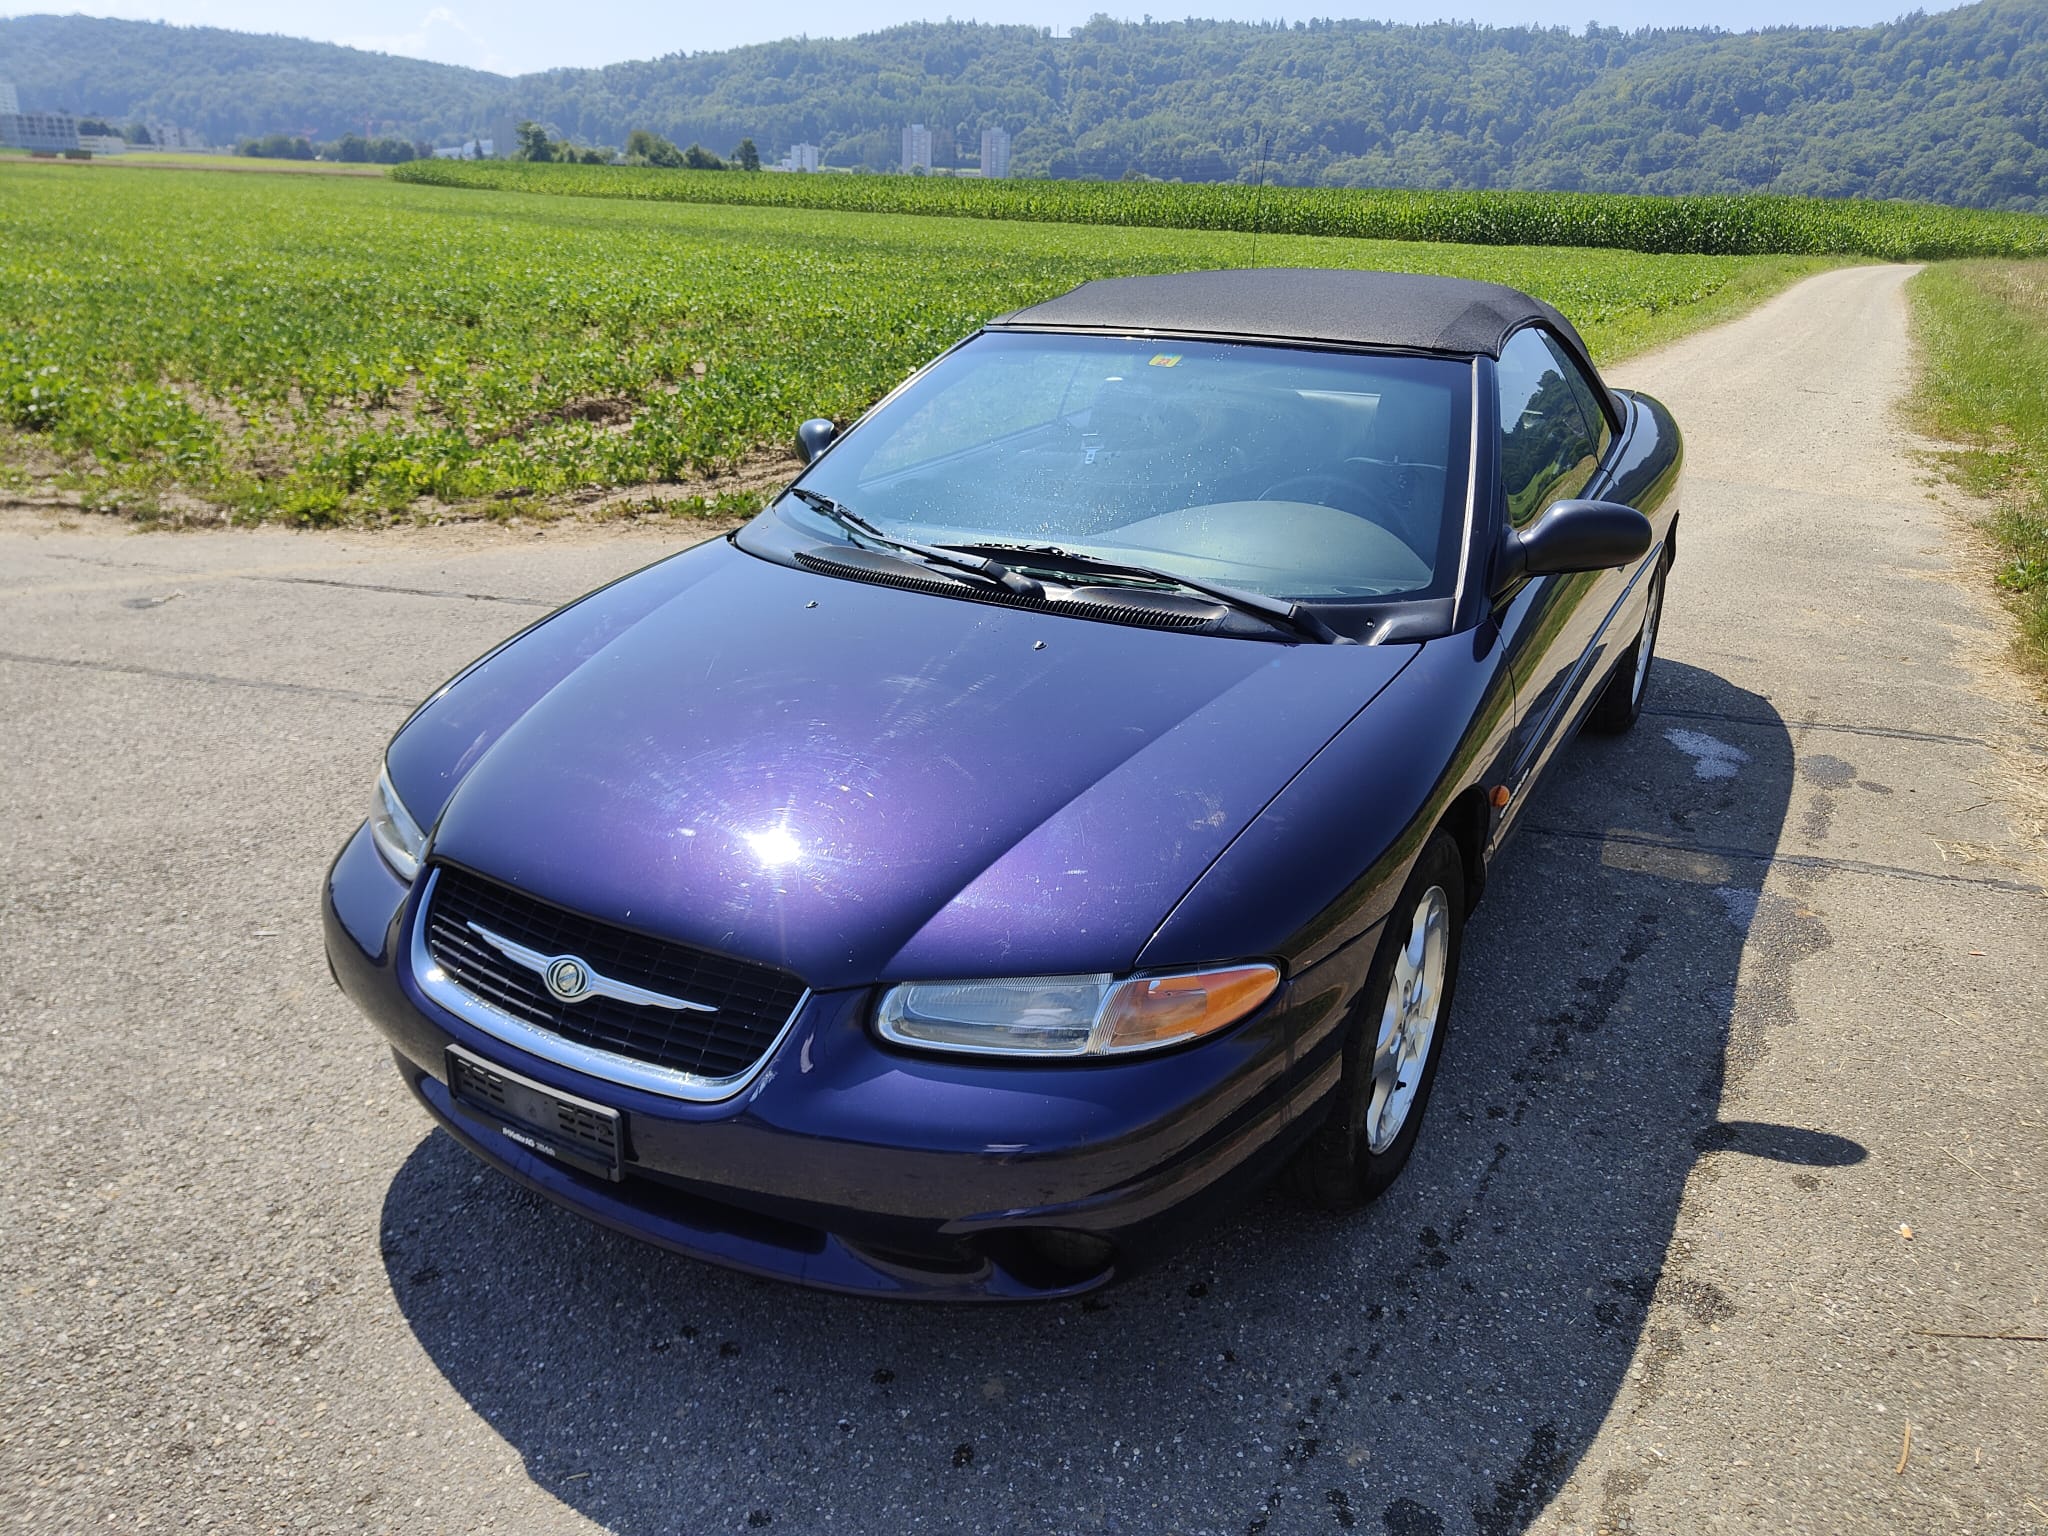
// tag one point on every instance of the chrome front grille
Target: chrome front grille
(744, 1006)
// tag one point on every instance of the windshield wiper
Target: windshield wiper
(931, 554)
(1288, 615)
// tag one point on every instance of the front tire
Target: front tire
(1395, 1040)
(1621, 702)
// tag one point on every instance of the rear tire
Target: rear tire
(1394, 1042)
(1621, 702)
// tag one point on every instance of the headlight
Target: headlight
(397, 836)
(1072, 1015)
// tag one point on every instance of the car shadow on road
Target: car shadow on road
(1437, 1364)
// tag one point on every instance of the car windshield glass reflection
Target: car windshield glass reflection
(1297, 474)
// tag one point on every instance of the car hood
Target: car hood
(859, 783)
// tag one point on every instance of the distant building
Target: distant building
(917, 148)
(103, 143)
(504, 140)
(468, 149)
(47, 132)
(9, 102)
(995, 152)
(801, 157)
(171, 136)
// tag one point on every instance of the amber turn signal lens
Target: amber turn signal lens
(1147, 1012)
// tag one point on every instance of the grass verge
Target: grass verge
(1983, 333)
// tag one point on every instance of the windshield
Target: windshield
(1308, 476)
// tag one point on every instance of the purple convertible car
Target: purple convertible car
(1055, 814)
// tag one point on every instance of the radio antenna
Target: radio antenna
(1258, 200)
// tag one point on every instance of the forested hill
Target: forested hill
(233, 85)
(1949, 108)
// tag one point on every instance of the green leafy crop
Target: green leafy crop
(1708, 226)
(320, 349)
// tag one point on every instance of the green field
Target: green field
(1983, 333)
(327, 349)
(243, 165)
(1709, 226)
(193, 160)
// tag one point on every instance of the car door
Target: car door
(1554, 434)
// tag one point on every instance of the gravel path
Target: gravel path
(1762, 988)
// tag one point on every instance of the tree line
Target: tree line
(1951, 107)
(350, 147)
(642, 148)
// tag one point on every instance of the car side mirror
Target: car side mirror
(814, 437)
(1572, 536)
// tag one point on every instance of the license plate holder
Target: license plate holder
(559, 1126)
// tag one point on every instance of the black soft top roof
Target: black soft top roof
(1402, 310)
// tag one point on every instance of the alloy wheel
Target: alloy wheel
(1646, 643)
(1408, 1020)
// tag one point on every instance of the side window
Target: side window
(1589, 402)
(1547, 450)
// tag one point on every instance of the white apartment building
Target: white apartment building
(801, 157)
(917, 148)
(995, 152)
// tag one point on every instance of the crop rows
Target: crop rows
(1701, 226)
(328, 348)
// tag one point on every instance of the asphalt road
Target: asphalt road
(1764, 986)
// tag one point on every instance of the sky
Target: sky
(519, 36)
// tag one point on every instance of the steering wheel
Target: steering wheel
(1364, 496)
(1314, 480)
(1358, 495)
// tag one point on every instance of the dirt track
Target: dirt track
(1762, 987)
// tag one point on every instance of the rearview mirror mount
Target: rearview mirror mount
(1572, 536)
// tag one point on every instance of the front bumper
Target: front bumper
(852, 1166)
